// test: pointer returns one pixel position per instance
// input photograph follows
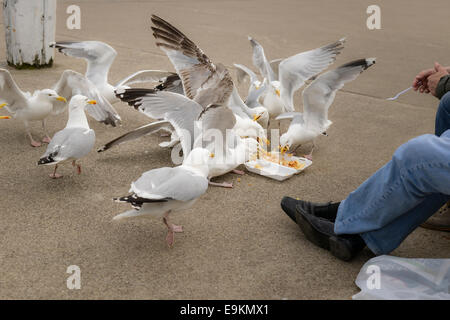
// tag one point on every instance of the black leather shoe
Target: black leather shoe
(323, 210)
(320, 231)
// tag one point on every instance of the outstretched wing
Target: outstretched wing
(295, 117)
(320, 94)
(202, 80)
(243, 72)
(72, 83)
(10, 92)
(99, 54)
(137, 133)
(260, 60)
(179, 110)
(144, 76)
(295, 70)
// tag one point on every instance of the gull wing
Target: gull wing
(295, 70)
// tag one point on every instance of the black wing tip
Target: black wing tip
(46, 160)
(101, 149)
(136, 201)
(364, 63)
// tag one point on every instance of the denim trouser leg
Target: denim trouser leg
(399, 196)
(443, 115)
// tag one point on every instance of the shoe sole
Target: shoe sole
(336, 246)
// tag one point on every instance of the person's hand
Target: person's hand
(433, 79)
(420, 82)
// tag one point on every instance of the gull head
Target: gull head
(261, 115)
(285, 143)
(51, 95)
(79, 102)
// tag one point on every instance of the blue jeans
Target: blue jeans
(404, 193)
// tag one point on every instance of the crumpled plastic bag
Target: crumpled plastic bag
(393, 278)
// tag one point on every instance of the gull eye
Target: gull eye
(49, 94)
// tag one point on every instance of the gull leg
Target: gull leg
(171, 230)
(32, 141)
(223, 184)
(46, 138)
(78, 166)
(309, 156)
(295, 149)
(240, 172)
(55, 175)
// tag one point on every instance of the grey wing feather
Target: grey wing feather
(296, 117)
(260, 60)
(320, 94)
(70, 143)
(99, 54)
(243, 72)
(10, 93)
(179, 110)
(137, 133)
(295, 70)
(144, 76)
(170, 183)
(195, 69)
(72, 83)
(274, 64)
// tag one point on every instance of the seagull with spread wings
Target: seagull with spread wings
(317, 98)
(291, 73)
(43, 103)
(99, 57)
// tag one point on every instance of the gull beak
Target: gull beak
(211, 155)
(5, 117)
(257, 87)
(92, 102)
(277, 92)
(2, 105)
(284, 149)
(59, 98)
(256, 117)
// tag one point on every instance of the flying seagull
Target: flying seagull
(317, 99)
(73, 142)
(292, 73)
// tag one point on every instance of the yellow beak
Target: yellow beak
(277, 92)
(5, 117)
(92, 102)
(284, 149)
(256, 117)
(61, 99)
(211, 155)
(257, 87)
(2, 105)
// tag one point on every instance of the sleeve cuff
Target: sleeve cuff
(443, 86)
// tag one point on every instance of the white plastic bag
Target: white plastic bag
(393, 278)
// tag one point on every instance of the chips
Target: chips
(275, 157)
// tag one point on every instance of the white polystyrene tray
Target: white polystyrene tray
(276, 171)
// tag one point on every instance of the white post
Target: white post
(29, 29)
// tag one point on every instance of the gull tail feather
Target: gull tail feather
(127, 214)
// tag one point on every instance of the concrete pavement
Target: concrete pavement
(237, 242)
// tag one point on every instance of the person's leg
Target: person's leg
(400, 195)
(386, 239)
(442, 123)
